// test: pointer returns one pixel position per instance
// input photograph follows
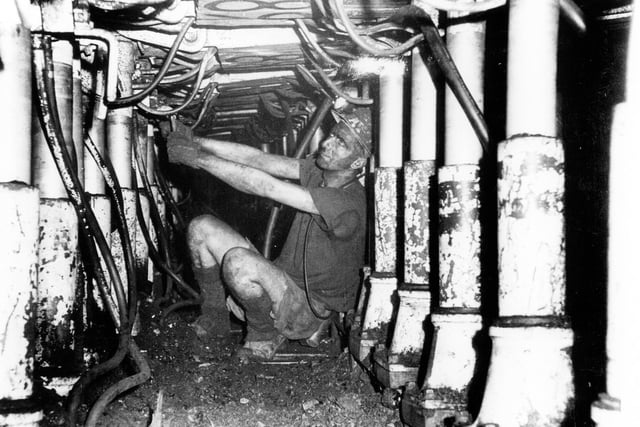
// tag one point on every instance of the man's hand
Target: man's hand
(181, 148)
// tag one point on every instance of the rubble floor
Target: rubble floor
(203, 385)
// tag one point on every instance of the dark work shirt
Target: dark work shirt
(335, 243)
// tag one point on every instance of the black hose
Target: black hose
(455, 82)
(271, 226)
(144, 373)
(316, 122)
(165, 192)
(205, 105)
(190, 97)
(129, 100)
(306, 36)
(55, 141)
(333, 86)
(111, 179)
(304, 273)
(155, 214)
(191, 73)
(362, 44)
(94, 373)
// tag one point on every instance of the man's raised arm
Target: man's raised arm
(273, 164)
(243, 177)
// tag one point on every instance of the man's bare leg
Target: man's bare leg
(259, 286)
(209, 239)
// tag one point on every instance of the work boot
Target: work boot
(260, 350)
(214, 320)
(315, 339)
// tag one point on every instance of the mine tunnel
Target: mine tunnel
(319, 213)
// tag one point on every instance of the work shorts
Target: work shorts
(293, 318)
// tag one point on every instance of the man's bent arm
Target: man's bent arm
(273, 164)
(257, 182)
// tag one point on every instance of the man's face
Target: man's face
(337, 153)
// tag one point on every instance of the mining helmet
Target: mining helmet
(354, 123)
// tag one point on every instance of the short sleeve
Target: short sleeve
(339, 211)
(308, 169)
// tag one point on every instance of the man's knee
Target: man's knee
(238, 270)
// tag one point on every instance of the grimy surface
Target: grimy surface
(203, 385)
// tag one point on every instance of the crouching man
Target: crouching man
(317, 272)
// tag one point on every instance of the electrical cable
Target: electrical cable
(315, 123)
(332, 86)
(165, 192)
(192, 95)
(365, 46)
(137, 97)
(208, 97)
(144, 373)
(304, 273)
(311, 80)
(111, 179)
(55, 140)
(84, 209)
(306, 36)
(173, 80)
(43, 68)
(162, 265)
(455, 81)
(138, 163)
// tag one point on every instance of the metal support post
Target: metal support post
(58, 314)
(58, 322)
(618, 406)
(15, 102)
(19, 212)
(530, 375)
(19, 216)
(45, 173)
(383, 281)
(457, 321)
(119, 146)
(401, 362)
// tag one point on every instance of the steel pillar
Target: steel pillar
(15, 102)
(120, 120)
(101, 206)
(45, 173)
(466, 43)
(457, 321)
(19, 217)
(93, 180)
(58, 322)
(129, 202)
(400, 363)
(531, 234)
(119, 147)
(383, 281)
(617, 407)
(141, 248)
(532, 108)
(452, 360)
(531, 340)
(19, 214)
